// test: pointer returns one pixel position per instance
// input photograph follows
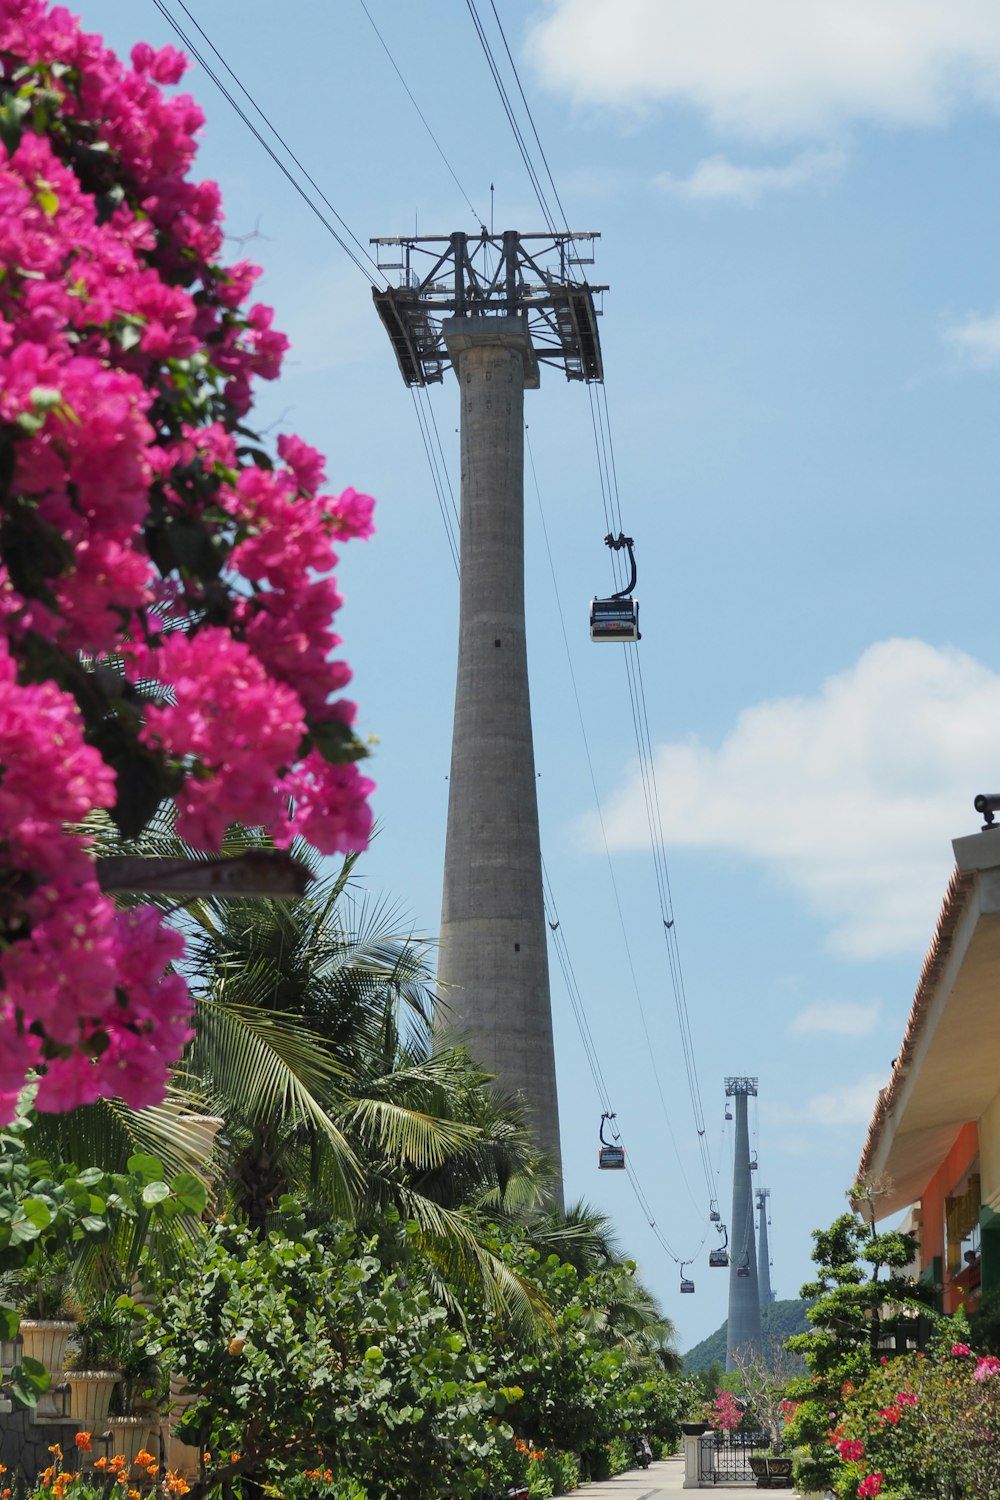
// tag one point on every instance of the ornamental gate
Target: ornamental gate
(724, 1458)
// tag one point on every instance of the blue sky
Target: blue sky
(799, 230)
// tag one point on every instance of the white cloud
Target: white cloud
(851, 1105)
(851, 795)
(717, 179)
(837, 1019)
(776, 67)
(977, 340)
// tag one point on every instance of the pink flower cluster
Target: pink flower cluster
(726, 1411)
(851, 1450)
(986, 1367)
(166, 593)
(71, 960)
(870, 1485)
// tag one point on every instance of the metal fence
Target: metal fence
(725, 1458)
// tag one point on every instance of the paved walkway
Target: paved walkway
(664, 1478)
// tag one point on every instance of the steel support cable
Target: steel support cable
(594, 1063)
(637, 702)
(640, 717)
(531, 118)
(453, 545)
(443, 463)
(603, 478)
(426, 420)
(200, 58)
(613, 468)
(669, 928)
(573, 989)
(437, 144)
(522, 147)
(600, 815)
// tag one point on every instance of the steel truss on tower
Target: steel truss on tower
(491, 276)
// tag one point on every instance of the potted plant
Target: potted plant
(135, 1403)
(93, 1366)
(40, 1293)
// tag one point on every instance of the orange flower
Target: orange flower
(234, 1458)
(143, 1459)
(101, 1463)
(175, 1484)
(82, 1441)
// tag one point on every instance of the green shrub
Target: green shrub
(563, 1469)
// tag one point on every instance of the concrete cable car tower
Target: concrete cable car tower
(743, 1328)
(763, 1253)
(494, 308)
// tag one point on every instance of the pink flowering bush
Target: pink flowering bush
(923, 1425)
(166, 589)
(725, 1412)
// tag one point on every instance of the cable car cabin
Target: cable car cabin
(743, 1270)
(718, 1257)
(714, 1217)
(611, 1158)
(753, 1162)
(686, 1284)
(614, 619)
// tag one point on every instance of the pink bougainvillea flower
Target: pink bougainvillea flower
(167, 602)
(959, 1349)
(870, 1485)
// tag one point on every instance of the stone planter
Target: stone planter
(90, 1399)
(695, 1429)
(46, 1340)
(130, 1435)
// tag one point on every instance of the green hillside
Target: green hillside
(779, 1322)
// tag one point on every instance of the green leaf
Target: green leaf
(146, 1168)
(190, 1192)
(29, 1380)
(154, 1193)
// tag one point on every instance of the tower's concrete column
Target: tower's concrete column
(493, 961)
(743, 1332)
(763, 1253)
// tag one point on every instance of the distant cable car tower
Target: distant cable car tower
(763, 1254)
(494, 308)
(743, 1328)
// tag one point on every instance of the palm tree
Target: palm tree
(314, 1045)
(623, 1310)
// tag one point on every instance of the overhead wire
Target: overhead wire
(200, 57)
(651, 1051)
(423, 410)
(547, 215)
(423, 120)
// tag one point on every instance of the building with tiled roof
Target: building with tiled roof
(934, 1140)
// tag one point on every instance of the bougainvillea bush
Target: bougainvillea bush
(166, 593)
(924, 1427)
